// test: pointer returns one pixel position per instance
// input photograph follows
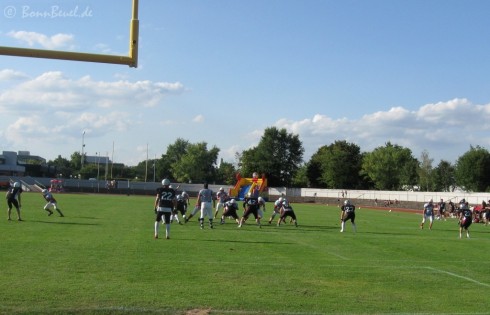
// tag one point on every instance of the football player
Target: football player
(52, 203)
(348, 212)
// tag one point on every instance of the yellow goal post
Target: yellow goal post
(130, 60)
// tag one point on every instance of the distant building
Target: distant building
(14, 163)
(90, 159)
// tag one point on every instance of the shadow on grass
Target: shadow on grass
(64, 223)
(388, 233)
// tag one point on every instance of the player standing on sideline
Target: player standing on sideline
(287, 211)
(251, 206)
(165, 202)
(487, 213)
(230, 210)
(221, 197)
(52, 203)
(277, 209)
(348, 212)
(13, 198)
(428, 214)
(204, 199)
(465, 218)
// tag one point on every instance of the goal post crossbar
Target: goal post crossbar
(130, 60)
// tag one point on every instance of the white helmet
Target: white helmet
(45, 191)
(221, 189)
(166, 182)
(16, 184)
(261, 200)
(280, 199)
(233, 201)
(347, 202)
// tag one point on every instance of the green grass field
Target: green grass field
(101, 258)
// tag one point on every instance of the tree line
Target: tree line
(279, 156)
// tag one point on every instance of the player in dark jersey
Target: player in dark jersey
(14, 199)
(348, 212)
(230, 210)
(165, 202)
(287, 211)
(442, 210)
(251, 206)
(180, 207)
(465, 219)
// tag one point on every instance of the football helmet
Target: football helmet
(16, 184)
(166, 182)
(347, 202)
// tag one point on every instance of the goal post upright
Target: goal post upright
(130, 60)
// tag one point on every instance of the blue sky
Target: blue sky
(415, 73)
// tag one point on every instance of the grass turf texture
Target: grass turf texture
(101, 258)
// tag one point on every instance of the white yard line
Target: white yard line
(459, 276)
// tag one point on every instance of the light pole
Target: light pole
(98, 169)
(83, 146)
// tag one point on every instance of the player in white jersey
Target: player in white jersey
(221, 198)
(207, 202)
(261, 207)
(52, 203)
(277, 209)
(428, 214)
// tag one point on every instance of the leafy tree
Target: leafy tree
(225, 173)
(301, 178)
(198, 164)
(390, 167)
(278, 155)
(340, 165)
(173, 154)
(472, 170)
(62, 166)
(425, 171)
(314, 169)
(444, 177)
(144, 171)
(76, 161)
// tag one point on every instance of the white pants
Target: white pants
(206, 210)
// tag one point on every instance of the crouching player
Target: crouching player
(230, 210)
(180, 207)
(52, 203)
(277, 209)
(287, 211)
(251, 206)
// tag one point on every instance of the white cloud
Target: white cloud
(198, 119)
(9, 75)
(54, 91)
(57, 41)
(47, 114)
(445, 129)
